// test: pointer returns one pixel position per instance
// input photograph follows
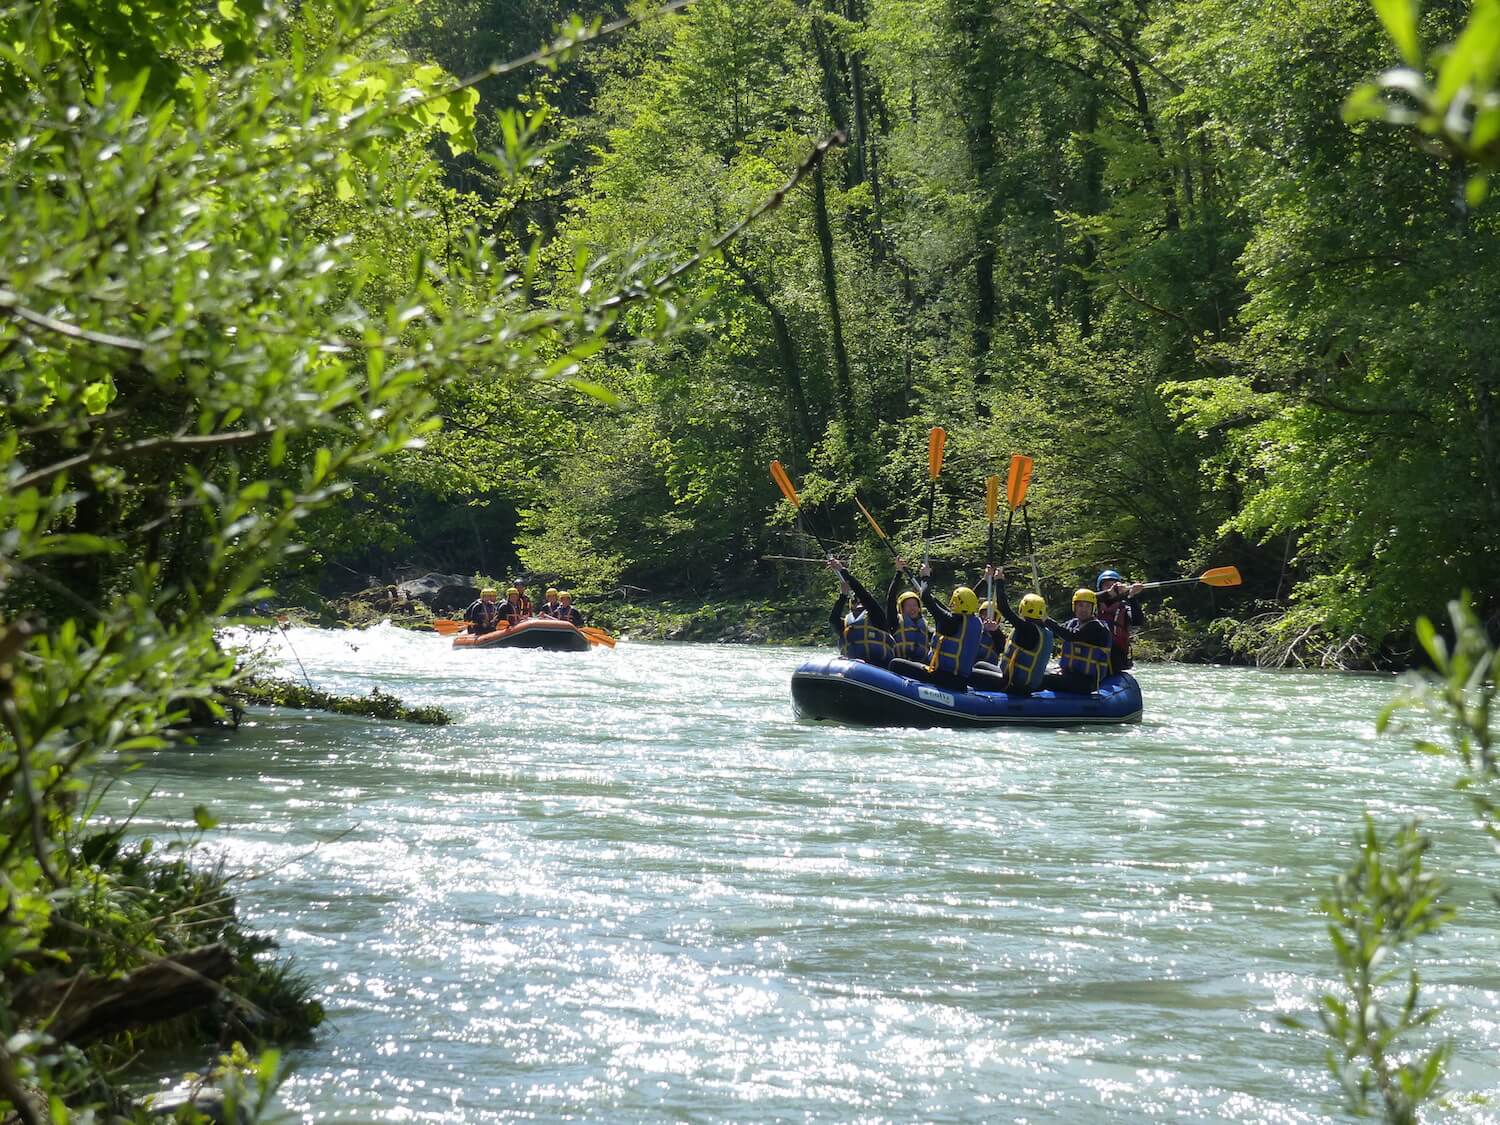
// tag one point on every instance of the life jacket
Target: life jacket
(913, 639)
(862, 641)
(516, 612)
(1083, 658)
(549, 610)
(955, 655)
(991, 645)
(1025, 667)
(1117, 616)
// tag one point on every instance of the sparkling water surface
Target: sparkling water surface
(629, 885)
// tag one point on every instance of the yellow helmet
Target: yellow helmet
(986, 605)
(566, 594)
(1033, 608)
(964, 600)
(488, 592)
(909, 596)
(1084, 594)
(551, 591)
(512, 593)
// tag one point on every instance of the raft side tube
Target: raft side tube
(534, 632)
(851, 691)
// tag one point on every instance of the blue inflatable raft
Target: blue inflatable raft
(851, 691)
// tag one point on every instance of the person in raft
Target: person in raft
(484, 615)
(955, 644)
(515, 607)
(525, 602)
(903, 609)
(566, 612)
(1023, 660)
(860, 627)
(1083, 661)
(549, 607)
(1119, 609)
(992, 641)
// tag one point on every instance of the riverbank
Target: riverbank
(1252, 633)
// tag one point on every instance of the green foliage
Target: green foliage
(1450, 98)
(1459, 692)
(1382, 903)
(1386, 899)
(233, 288)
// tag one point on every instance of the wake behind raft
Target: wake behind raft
(851, 691)
(534, 632)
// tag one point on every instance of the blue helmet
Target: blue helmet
(1107, 576)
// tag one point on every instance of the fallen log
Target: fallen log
(86, 1008)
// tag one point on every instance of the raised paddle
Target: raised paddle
(1016, 484)
(860, 504)
(937, 437)
(1218, 576)
(1036, 578)
(784, 482)
(991, 503)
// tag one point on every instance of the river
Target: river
(628, 885)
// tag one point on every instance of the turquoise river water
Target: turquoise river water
(629, 885)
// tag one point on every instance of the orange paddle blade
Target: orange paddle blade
(991, 497)
(1221, 576)
(869, 517)
(598, 636)
(1018, 481)
(784, 482)
(936, 439)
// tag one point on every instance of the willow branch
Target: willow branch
(63, 328)
(770, 203)
(125, 452)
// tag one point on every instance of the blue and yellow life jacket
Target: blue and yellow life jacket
(913, 640)
(1025, 667)
(1084, 659)
(991, 645)
(862, 641)
(955, 655)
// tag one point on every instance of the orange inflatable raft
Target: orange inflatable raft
(534, 632)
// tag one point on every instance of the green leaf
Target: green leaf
(203, 818)
(1400, 20)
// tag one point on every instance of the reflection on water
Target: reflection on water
(628, 885)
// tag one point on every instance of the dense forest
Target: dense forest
(295, 294)
(1139, 243)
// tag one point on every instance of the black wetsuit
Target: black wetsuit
(483, 616)
(1093, 631)
(570, 615)
(866, 600)
(948, 624)
(1026, 634)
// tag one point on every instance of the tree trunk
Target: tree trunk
(786, 350)
(831, 293)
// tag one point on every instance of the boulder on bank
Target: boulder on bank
(441, 593)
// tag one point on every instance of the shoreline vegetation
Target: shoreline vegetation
(1255, 637)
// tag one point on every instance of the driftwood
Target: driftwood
(86, 1008)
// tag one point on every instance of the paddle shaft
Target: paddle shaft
(1036, 578)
